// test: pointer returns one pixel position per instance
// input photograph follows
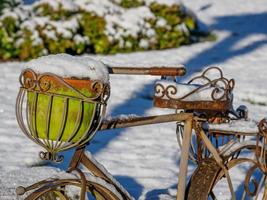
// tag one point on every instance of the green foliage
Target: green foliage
(27, 49)
(8, 4)
(171, 35)
(172, 14)
(93, 27)
(170, 38)
(9, 24)
(59, 46)
(47, 10)
(18, 42)
(131, 3)
(7, 48)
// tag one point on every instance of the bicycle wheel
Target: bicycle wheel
(69, 189)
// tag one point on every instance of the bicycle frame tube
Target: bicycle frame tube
(140, 121)
(81, 158)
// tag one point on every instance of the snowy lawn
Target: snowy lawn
(145, 159)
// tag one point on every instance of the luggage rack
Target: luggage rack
(210, 95)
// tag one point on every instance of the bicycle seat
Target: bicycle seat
(200, 93)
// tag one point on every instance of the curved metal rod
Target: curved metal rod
(172, 90)
(45, 86)
(42, 187)
(247, 182)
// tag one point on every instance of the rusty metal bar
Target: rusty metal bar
(98, 172)
(219, 160)
(139, 121)
(153, 71)
(184, 160)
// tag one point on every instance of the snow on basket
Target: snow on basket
(65, 99)
(70, 66)
(200, 93)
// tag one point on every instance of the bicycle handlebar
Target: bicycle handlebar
(153, 71)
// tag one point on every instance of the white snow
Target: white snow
(161, 22)
(145, 159)
(70, 66)
(144, 43)
(130, 22)
(249, 126)
(100, 8)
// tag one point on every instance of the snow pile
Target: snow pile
(130, 23)
(243, 126)
(69, 66)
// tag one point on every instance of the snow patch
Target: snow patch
(70, 66)
(246, 126)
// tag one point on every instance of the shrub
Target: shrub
(106, 26)
(130, 3)
(8, 4)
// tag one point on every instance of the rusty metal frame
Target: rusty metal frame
(163, 96)
(38, 84)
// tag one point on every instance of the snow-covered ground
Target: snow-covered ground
(145, 159)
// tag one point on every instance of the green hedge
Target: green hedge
(47, 27)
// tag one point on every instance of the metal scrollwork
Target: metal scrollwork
(170, 91)
(43, 82)
(159, 90)
(263, 128)
(222, 87)
(249, 180)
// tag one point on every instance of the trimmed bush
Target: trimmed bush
(93, 26)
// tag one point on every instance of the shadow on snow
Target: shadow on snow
(240, 27)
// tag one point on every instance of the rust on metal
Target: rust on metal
(192, 105)
(153, 71)
(140, 121)
(221, 98)
(263, 127)
(202, 180)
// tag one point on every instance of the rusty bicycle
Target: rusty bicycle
(60, 113)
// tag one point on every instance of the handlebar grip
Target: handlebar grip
(153, 71)
(167, 71)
